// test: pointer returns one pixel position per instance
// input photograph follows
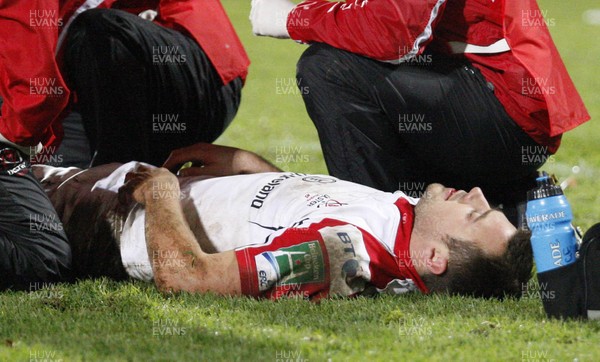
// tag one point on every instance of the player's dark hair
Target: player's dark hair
(472, 273)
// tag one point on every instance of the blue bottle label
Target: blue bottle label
(554, 253)
(553, 239)
(545, 219)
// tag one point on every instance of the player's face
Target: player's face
(465, 216)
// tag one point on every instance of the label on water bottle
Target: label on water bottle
(552, 237)
(546, 218)
(561, 256)
(553, 253)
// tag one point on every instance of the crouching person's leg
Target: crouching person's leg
(359, 141)
(33, 244)
(169, 100)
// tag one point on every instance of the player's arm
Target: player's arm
(214, 160)
(178, 262)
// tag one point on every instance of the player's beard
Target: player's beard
(426, 219)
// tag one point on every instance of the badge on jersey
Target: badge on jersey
(292, 266)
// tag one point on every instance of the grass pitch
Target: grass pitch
(107, 321)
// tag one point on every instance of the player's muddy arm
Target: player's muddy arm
(178, 262)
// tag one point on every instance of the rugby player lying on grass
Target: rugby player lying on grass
(280, 234)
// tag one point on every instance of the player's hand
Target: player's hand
(214, 160)
(269, 17)
(147, 184)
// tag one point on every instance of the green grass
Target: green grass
(108, 321)
(104, 320)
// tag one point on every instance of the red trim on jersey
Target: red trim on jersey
(292, 237)
(248, 278)
(402, 245)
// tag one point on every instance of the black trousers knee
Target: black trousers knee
(142, 89)
(33, 245)
(401, 127)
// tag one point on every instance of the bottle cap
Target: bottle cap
(546, 187)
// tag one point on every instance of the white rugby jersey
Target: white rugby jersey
(294, 234)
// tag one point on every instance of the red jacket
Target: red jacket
(28, 69)
(31, 86)
(529, 77)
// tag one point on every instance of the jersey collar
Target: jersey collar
(402, 243)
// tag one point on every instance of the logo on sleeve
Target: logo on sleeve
(294, 265)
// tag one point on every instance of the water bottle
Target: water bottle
(549, 216)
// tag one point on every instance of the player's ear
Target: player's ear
(437, 262)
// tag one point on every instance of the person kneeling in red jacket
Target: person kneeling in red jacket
(404, 93)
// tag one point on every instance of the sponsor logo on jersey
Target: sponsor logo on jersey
(322, 200)
(294, 265)
(320, 179)
(348, 259)
(265, 191)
